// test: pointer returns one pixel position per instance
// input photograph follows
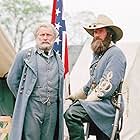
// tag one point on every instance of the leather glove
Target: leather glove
(93, 96)
(78, 95)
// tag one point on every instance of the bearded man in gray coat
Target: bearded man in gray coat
(36, 80)
(93, 102)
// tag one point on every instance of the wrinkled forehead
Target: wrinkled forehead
(43, 26)
(44, 30)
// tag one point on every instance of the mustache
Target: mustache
(48, 42)
(98, 46)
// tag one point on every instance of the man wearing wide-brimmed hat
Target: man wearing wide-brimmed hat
(107, 70)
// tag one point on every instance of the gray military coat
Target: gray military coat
(110, 69)
(22, 89)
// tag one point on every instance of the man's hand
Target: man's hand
(78, 95)
(71, 97)
(93, 97)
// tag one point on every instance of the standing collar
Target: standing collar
(39, 51)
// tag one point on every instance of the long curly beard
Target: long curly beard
(98, 46)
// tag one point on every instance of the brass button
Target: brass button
(20, 91)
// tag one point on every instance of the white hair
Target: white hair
(47, 25)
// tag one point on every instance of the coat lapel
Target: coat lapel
(32, 63)
(94, 62)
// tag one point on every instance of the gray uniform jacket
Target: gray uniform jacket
(110, 70)
(22, 89)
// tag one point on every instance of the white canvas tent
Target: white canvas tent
(80, 72)
(131, 87)
(7, 53)
(131, 127)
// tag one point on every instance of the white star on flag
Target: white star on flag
(57, 11)
(57, 40)
(58, 26)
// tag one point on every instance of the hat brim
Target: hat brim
(117, 30)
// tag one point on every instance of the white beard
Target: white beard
(45, 46)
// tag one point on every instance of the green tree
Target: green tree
(19, 16)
